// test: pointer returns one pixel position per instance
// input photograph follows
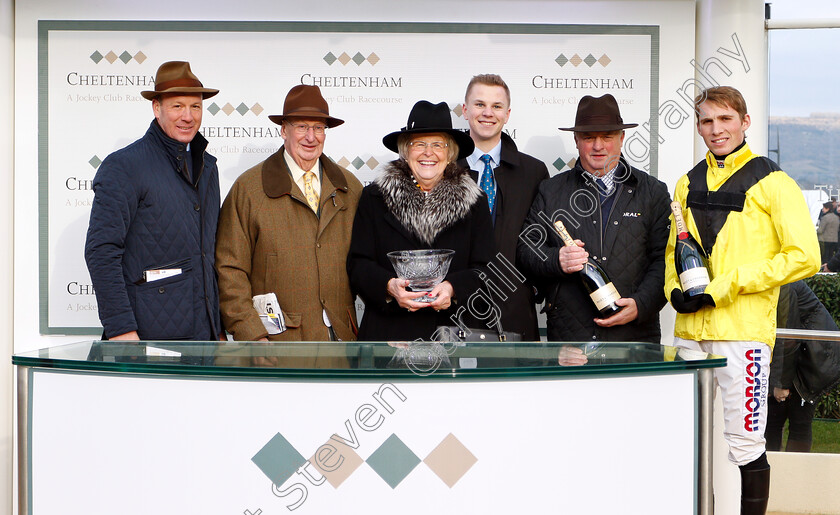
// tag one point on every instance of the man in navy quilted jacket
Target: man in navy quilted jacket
(619, 217)
(151, 238)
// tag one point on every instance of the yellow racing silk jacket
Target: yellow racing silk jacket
(770, 242)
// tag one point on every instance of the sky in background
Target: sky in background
(804, 64)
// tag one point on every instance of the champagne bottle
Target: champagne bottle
(689, 257)
(595, 280)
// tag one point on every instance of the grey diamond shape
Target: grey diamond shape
(590, 60)
(96, 57)
(278, 459)
(358, 163)
(393, 461)
(559, 164)
(330, 58)
(213, 108)
(125, 57)
(242, 109)
(561, 60)
(358, 58)
(95, 162)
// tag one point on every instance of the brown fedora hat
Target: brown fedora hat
(176, 77)
(304, 101)
(597, 115)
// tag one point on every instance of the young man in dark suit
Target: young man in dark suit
(510, 179)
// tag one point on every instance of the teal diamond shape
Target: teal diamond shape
(561, 60)
(358, 58)
(125, 57)
(559, 164)
(330, 58)
(590, 60)
(358, 163)
(242, 109)
(278, 459)
(393, 461)
(95, 162)
(96, 57)
(213, 108)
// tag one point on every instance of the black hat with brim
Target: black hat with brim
(426, 118)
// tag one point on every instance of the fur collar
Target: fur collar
(427, 215)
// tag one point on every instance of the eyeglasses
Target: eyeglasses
(302, 128)
(421, 146)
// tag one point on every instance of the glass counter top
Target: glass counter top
(367, 360)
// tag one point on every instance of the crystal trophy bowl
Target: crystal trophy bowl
(424, 269)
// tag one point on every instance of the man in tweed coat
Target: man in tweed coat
(285, 229)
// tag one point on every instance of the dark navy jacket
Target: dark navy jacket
(147, 214)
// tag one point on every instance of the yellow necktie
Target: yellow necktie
(309, 191)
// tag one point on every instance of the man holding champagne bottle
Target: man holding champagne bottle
(604, 282)
(755, 231)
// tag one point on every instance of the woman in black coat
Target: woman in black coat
(422, 200)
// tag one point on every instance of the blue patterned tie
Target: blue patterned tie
(488, 182)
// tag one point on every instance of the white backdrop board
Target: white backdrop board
(138, 445)
(371, 74)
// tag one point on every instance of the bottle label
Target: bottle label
(694, 277)
(604, 296)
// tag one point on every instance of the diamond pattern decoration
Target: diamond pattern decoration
(125, 57)
(242, 109)
(330, 58)
(604, 60)
(561, 60)
(336, 465)
(450, 460)
(227, 109)
(95, 162)
(96, 57)
(214, 108)
(458, 109)
(343, 162)
(358, 163)
(278, 459)
(358, 58)
(344, 58)
(372, 163)
(373, 59)
(140, 57)
(572, 162)
(257, 109)
(576, 60)
(393, 461)
(590, 60)
(559, 163)
(111, 57)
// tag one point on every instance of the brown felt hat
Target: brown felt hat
(304, 101)
(176, 77)
(598, 115)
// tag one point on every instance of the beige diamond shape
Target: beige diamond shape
(111, 57)
(604, 60)
(256, 109)
(458, 109)
(571, 163)
(227, 109)
(373, 58)
(344, 162)
(344, 58)
(576, 60)
(337, 462)
(450, 460)
(372, 163)
(140, 57)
